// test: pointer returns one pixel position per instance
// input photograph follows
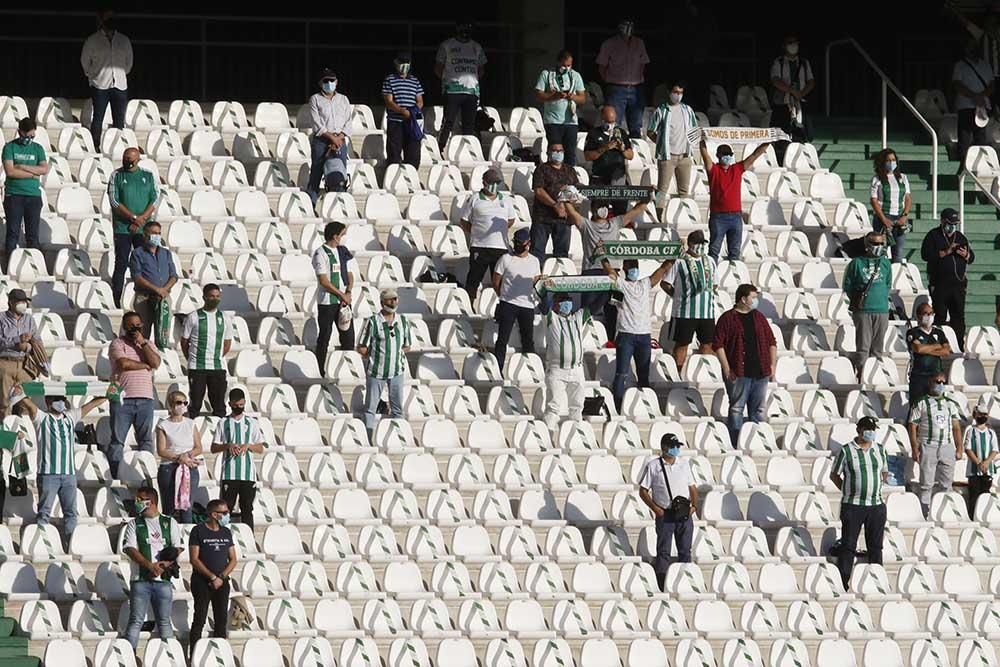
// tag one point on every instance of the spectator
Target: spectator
(460, 65)
(980, 443)
(133, 361)
(18, 338)
(867, 283)
(692, 288)
(153, 542)
(548, 214)
(238, 437)
(948, 255)
(634, 340)
(154, 274)
(384, 343)
(564, 377)
(988, 35)
(486, 216)
(331, 264)
(748, 355)
(891, 202)
(213, 559)
(331, 114)
(107, 60)
(132, 195)
(668, 129)
(514, 280)
(665, 479)
(859, 471)
(934, 433)
(404, 104)
(178, 444)
(593, 233)
(725, 183)
(205, 342)
(24, 163)
(972, 79)
(608, 148)
(928, 346)
(560, 90)
(622, 65)
(792, 80)
(55, 429)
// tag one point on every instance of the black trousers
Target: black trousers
(215, 382)
(852, 519)
(506, 315)
(397, 142)
(455, 105)
(148, 310)
(204, 594)
(969, 134)
(978, 485)
(246, 492)
(800, 134)
(949, 308)
(481, 262)
(326, 318)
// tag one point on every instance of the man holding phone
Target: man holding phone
(948, 255)
(133, 360)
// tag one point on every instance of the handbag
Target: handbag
(680, 507)
(16, 486)
(594, 406)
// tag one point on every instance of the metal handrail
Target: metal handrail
(961, 195)
(887, 84)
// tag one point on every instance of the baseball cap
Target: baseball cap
(522, 235)
(17, 294)
(388, 293)
(327, 73)
(949, 215)
(669, 440)
(695, 237)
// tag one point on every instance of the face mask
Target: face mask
(24, 141)
(557, 156)
(133, 331)
(224, 520)
(565, 307)
(982, 419)
(329, 86)
(675, 98)
(463, 34)
(868, 436)
(492, 188)
(890, 166)
(632, 274)
(608, 126)
(696, 249)
(59, 406)
(154, 240)
(727, 160)
(625, 29)
(950, 229)
(389, 309)
(108, 25)
(876, 250)
(754, 303)
(403, 69)
(937, 388)
(519, 248)
(674, 452)
(141, 506)
(178, 410)
(792, 49)
(127, 165)
(563, 69)
(21, 308)
(926, 321)
(237, 409)
(211, 304)
(602, 212)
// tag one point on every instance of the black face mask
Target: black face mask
(132, 331)
(109, 25)
(127, 165)
(238, 410)
(520, 247)
(982, 419)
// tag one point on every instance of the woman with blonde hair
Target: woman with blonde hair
(890, 202)
(178, 444)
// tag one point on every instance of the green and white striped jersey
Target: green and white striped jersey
(386, 343)
(981, 442)
(326, 262)
(861, 470)
(206, 333)
(243, 430)
(933, 416)
(56, 441)
(890, 193)
(564, 339)
(694, 288)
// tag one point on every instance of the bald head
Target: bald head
(130, 159)
(608, 114)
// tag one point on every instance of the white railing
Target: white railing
(888, 85)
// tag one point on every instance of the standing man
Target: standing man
(792, 80)
(668, 129)
(548, 214)
(460, 64)
(935, 440)
(514, 282)
(132, 196)
(404, 104)
(205, 342)
(928, 346)
(154, 274)
(560, 90)
(664, 479)
(622, 65)
(153, 542)
(972, 79)
(693, 290)
(330, 113)
(608, 148)
(18, 337)
(859, 471)
(748, 355)
(982, 448)
(213, 559)
(948, 255)
(133, 360)
(486, 216)
(867, 285)
(564, 376)
(107, 60)
(384, 343)
(725, 205)
(335, 281)
(238, 437)
(24, 163)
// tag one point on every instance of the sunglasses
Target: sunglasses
(180, 402)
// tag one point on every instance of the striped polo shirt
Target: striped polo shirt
(933, 416)
(861, 470)
(386, 343)
(890, 192)
(694, 293)
(242, 430)
(56, 440)
(981, 442)
(564, 339)
(404, 91)
(206, 333)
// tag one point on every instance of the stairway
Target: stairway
(13, 650)
(846, 146)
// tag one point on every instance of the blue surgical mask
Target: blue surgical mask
(557, 156)
(754, 303)
(728, 160)
(329, 87)
(632, 274)
(937, 388)
(59, 406)
(155, 240)
(674, 452)
(565, 307)
(868, 436)
(224, 520)
(890, 166)
(950, 229)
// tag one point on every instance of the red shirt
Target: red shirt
(724, 188)
(729, 337)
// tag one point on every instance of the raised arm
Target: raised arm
(750, 159)
(661, 272)
(634, 213)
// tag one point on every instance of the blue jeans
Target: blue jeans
(748, 393)
(134, 412)
(728, 226)
(142, 593)
(123, 252)
(165, 480)
(373, 392)
(895, 238)
(63, 486)
(101, 98)
(629, 346)
(629, 103)
(329, 166)
(565, 134)
(18, 208)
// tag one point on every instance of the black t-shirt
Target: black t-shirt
(214, 546)
(751, 363)
(925, 364)
(611, 165)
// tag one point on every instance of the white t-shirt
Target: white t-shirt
(489, 219)
(461, 61)
(679, 474)
(156, 539)
(634, 315)
(179, 435)
(517, 279)
(969, 76)
(677, 136)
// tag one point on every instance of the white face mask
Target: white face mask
(926, 321)
(179, 410)
(21, 308)
(389, 309)
(675, 98)
(792, 49)
(601, 212)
